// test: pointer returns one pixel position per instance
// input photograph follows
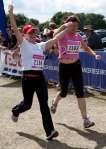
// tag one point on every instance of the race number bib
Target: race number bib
(37, 61)
(73, 47)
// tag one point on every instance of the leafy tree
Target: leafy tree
(59, 17)
(33, 21)
(21, 20)
(96, 20)
(44, 25)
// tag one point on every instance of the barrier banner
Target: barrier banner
(94, 71)
(51, 67)
(11, 64)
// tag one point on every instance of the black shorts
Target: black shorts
(72, 72)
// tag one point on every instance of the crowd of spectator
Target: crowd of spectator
(91, 37)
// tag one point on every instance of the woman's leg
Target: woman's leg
(77, 80)
(64, 82)
(42, 94)
(28, 92)
(82, 107)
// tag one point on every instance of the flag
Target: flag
(3, 25)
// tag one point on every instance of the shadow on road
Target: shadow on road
(98, 137)
(55, 144)
(16, 83)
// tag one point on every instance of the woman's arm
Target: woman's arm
(89, 50)
(14, 25)
(61, 28)
(50, 43)
(58, 34)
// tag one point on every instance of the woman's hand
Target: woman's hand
(69, 24)
(98, 57)
(16, 55)
(10, 9)
(14, 25)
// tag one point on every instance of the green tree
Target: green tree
(96, 20)
(21, 20)
(33, 21)
(82, 18)
(59, 17)
(43, 25)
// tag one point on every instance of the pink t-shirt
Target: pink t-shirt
(69, 46)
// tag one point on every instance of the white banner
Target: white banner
(11, 62)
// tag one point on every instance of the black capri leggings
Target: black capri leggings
(34, 81)
(74, 72)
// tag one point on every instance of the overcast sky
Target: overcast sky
(43, 10)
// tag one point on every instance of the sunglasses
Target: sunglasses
(32, 32)
(72, 19)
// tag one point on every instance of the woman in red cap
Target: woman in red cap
(32, 56)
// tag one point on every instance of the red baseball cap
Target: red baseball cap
(28, 29)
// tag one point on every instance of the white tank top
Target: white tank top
(32, 55)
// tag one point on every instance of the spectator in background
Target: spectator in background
(52, 26)
(12, 39)
(3, 42)
(48, 32)
(9, 43)
(44, 34)
(93, 40)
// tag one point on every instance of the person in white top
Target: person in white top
(32, 56)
